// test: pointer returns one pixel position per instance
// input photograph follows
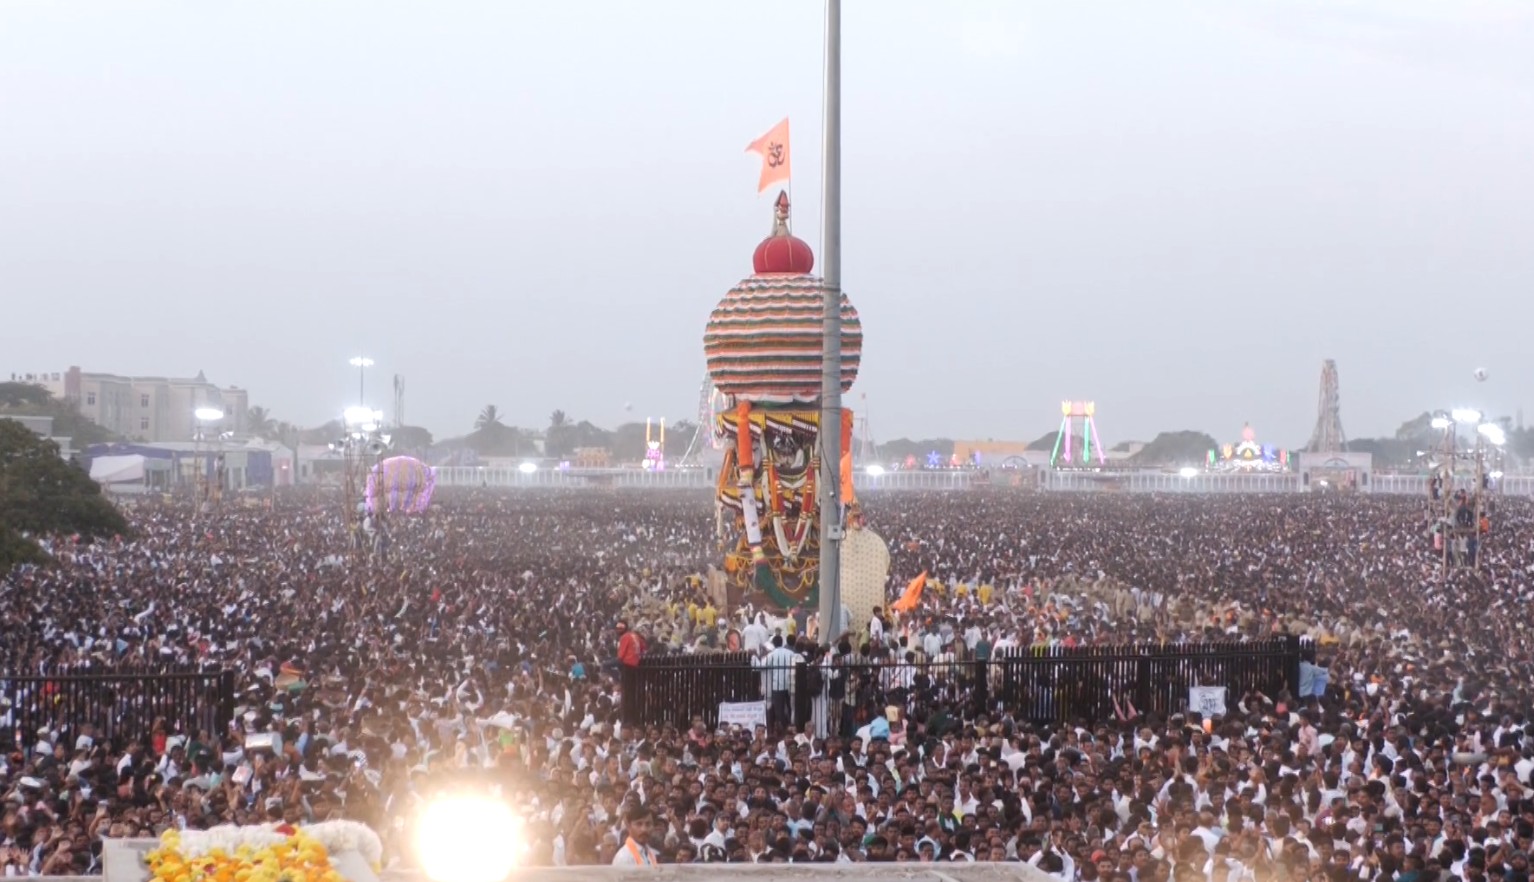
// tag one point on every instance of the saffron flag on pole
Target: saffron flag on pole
(776, 164)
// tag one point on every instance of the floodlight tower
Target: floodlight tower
(1465, 507)
(868, 448)
(361, 363)
(1078, 419)
(206, 417)
(361, 443)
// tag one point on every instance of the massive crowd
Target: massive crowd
(480, 651)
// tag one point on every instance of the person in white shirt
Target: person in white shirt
(754, 636)
(634, 852)
(777, 669)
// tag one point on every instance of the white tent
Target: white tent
(117, 469)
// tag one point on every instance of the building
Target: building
(247, 463)
(996, 453)
(592, 458)
(150, 409)
(319, 464)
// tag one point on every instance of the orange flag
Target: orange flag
(848, 494)
(773, 147)
(912, 595)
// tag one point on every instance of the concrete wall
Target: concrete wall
(121, 858)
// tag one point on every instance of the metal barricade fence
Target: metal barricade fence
(1053, 684)
(120, 703)
(1058, 684)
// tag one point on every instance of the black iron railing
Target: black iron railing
(1039, 684)
(1060, 683)
(118, 704)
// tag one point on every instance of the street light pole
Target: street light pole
(831, 351)
(361, 363)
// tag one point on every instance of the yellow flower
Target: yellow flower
(299, 858)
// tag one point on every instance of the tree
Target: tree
(411, 440)
(1387, 452)
(1045, 442)
(326, 433)
(679, 435)
(628, 443)
(588, 434)
(42, 495)
(902, 448)
(1184, 448)
(259, 422)
(490, 416)
(1520, 443)
(499, 439)
(29, 399)
(1417, 428)
(492, 437)
(559, 441)
(19, 395)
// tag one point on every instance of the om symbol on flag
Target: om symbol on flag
(774, 154)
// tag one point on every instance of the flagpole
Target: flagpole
(831, 352)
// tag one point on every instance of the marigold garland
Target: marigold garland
(299, 858)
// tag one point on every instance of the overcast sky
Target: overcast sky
(1177, 209)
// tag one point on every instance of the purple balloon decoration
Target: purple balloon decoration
(401, 484)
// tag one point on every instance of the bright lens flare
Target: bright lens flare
(468, 839)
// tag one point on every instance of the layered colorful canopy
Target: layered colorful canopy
(763, 341)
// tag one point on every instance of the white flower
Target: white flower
(334, 836)
(339, 836)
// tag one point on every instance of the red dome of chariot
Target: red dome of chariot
(783, 253)
(763, 341)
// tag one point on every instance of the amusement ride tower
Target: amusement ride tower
(1078, 420)
(1328, 436)
(703, 438)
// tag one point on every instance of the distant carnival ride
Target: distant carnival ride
(1248, 455)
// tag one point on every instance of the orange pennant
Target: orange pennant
(848, 495)
(743, 441)
(912, 595)
(773, 148)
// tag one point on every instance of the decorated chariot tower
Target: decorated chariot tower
(763, 346)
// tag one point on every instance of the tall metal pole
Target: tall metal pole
(1480, 490)
(831, 352)
(361, 363)
(1447, 525)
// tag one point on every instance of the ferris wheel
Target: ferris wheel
(710, 402)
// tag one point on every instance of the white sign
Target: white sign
(1207, 701)
(747, 714)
